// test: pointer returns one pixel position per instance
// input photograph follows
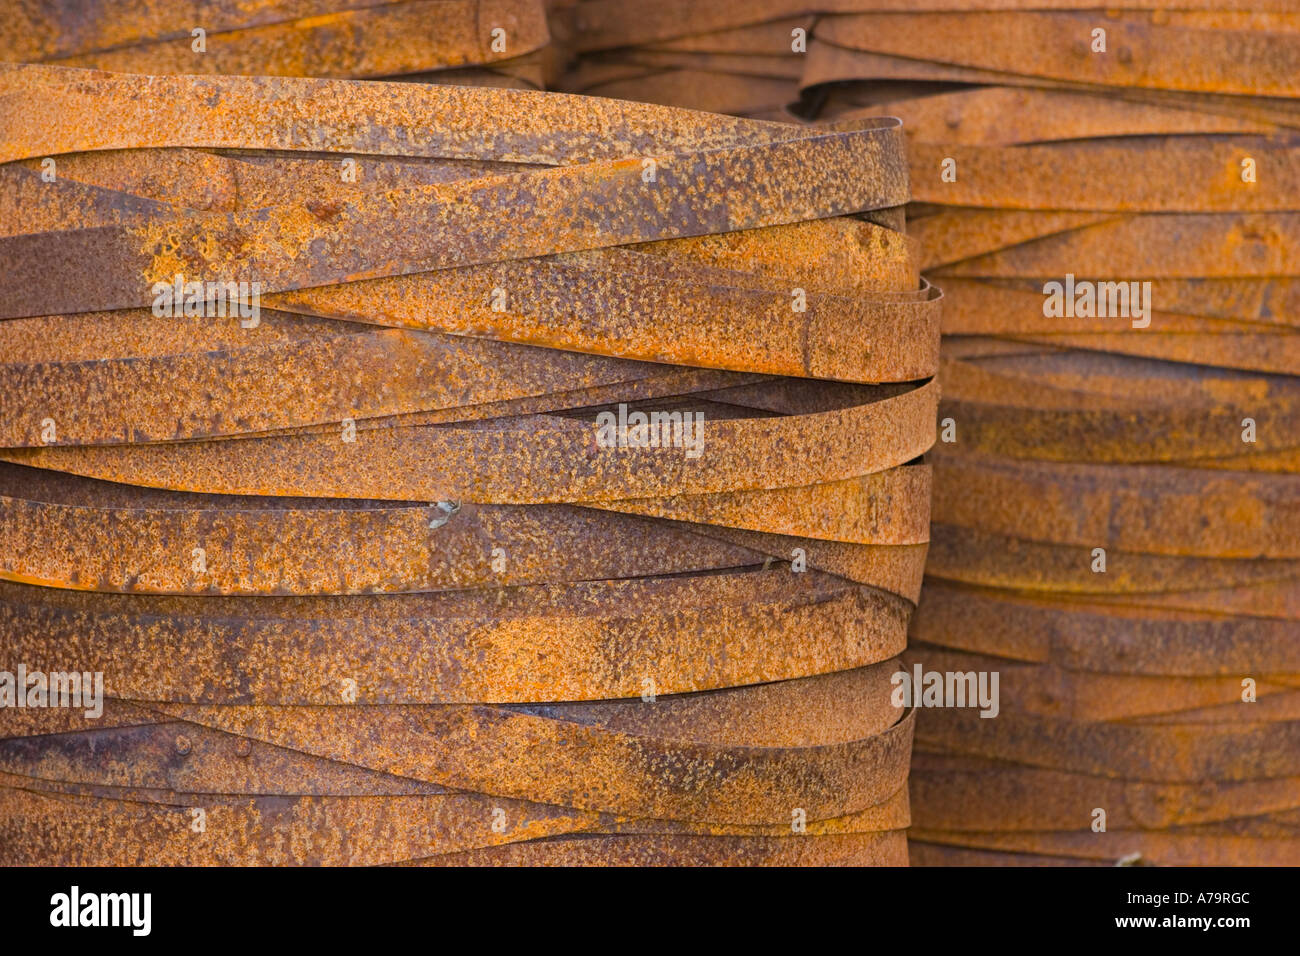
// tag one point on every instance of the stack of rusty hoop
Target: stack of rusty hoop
(559, 501)
(1117, 493)
(331, 564)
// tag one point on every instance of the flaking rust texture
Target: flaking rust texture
(1114, 515)
(1116, 487)
(368, 586)
(446, 472)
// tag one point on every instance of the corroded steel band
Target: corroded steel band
(364, 580)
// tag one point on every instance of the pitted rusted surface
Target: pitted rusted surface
(364, 579)
(1171, 443)
(345, 38)
(1121, 689)
(1161, 686)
